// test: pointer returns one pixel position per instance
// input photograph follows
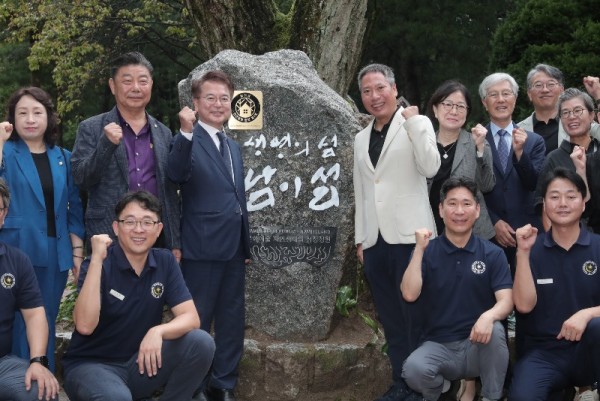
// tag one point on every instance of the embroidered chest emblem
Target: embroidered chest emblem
(590, 267)
(7, 280)
(478, 267)
(157, 290)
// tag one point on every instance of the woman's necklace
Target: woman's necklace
(445, 155)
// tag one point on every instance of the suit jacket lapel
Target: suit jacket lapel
(395, 127)
(58, 167)
(209, 146)
(462, 144)
(27, 166)
(120, 153)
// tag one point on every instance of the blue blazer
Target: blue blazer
(512, 198)
(214, 216)
(25, 226)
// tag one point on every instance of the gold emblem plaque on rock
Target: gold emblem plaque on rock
(246, 110)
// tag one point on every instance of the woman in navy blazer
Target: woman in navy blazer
(45, 218)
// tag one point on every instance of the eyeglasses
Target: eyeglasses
(448, 106)
(576, 112)
(550, 85)
(145, 224)
(211, 99)
(503, 94)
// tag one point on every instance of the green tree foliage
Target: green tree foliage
(75, 40)
(562, 33)
(429, 42)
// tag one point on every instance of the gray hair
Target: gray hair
(572, 93)
(387, 72)
(494, 79)
(4, 193)
(549, 70)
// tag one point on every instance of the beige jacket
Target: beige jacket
(392, 199)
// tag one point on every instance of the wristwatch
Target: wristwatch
(40, 359)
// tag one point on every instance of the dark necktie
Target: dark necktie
(225, 151)
(502, 149)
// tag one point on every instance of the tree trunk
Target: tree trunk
(330, 32)
(243, 25)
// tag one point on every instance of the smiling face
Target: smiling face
(453, 118)
(500, 103)
(378, 96)
(576, 126)
(459, 211)
(31, 119)
(541, 96)
(137, 240)
(563, 203)
(132, 87)
(213, 104)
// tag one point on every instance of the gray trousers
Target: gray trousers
(12, 380)
(427, 367)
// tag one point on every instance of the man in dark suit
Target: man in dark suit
(518, 158)
(126, 149)
(215, 236)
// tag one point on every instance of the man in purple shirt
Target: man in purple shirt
(126, 149)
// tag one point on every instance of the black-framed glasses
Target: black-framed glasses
(145, 224)
(576, 112)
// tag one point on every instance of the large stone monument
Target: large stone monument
(299, 189)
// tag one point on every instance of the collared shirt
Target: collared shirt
(140, 157)
(459, 284)
(212, 132)
(378, 139)
(130, 305)
(18, 290)
(566, 281)
(507, 138)
(548, 131)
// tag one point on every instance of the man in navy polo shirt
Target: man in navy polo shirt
(557, 289)
(21, 380)
(120, 350)
(464, 285)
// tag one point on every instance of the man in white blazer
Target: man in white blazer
(393, 157)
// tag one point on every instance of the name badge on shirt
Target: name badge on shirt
(545, 281)
(117, 295)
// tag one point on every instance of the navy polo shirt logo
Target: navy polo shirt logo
(7, 280)
(478, 267)
(157, 290)
(590, 267)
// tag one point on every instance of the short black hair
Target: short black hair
(143, 198)
(215, 76)
(458, 182)
(569, 175)
(131, 58)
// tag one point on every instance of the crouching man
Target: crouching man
(120, 350)
(464, 283)
(21, 380)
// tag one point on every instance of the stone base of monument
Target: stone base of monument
(280, 371)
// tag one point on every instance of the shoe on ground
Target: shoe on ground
(200, 396)
(219, 394)
(397, 392)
